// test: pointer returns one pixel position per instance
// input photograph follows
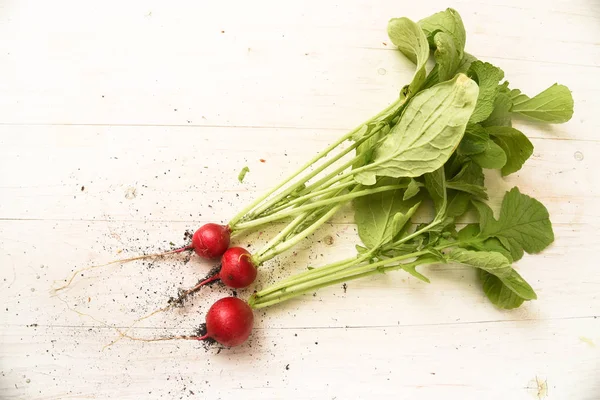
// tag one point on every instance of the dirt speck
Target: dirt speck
(345, 287)
(82, 188)
(287, 367)
(131, 193)
(328, 240)
(262, 160)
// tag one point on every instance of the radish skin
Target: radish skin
(211, 240)
(229, 322)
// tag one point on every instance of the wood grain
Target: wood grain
(124, 124)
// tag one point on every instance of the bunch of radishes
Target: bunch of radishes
(230, 320)
(398, 152)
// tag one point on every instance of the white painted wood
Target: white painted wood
(85, 179)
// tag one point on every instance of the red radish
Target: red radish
(229, 321)
(237, 271)
(211, 240)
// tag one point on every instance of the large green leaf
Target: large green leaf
(411, 41)
(446, 56)
(554, 104)
(497, 265)
(498, 293)
(492, 157)
(380, 216)
(449, 22)
(428, 132)
(523, 224)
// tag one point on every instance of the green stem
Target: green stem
(261, 304)
(413, 235)
(337, 176)
(315, 273)
(324, 153)
(340, 270)
(309, 196)
(281, 235)
(291, 228)
(310, 271)
(281, 247)
(258, 301)
(281, 197)
(232, 223)
(317, 204)
(331, 177)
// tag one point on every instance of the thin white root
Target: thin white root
(125, 334)
(126, 260)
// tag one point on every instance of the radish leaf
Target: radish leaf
(446, 56)
(501, 115)
(411, 41)
(380, 216)
(435, 183)
(515, 144)
(554, 104)
(487, 77)
(449, 22)
(497, 265)
(474, 141)
(523, 225)
(412, 190)
(428, 132)
(493, 157)
(498, 293)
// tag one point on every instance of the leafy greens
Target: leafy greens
(453, 122)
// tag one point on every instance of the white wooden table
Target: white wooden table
(125, 123)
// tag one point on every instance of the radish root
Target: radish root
(79, 271)
(125, 334)
(176, 302)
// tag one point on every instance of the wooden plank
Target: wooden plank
(190, 174)
(518, 360)
(312, 66)
(120, 294)
(125, 124)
